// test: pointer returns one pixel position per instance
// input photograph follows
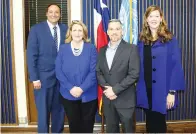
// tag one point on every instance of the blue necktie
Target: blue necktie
(55, 37)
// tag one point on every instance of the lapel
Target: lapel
(141, 50)
(105, 63)
(62, 34)
(49, 35)
(117, 54)
(157, 43)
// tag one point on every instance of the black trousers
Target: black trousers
(81, 116)
(155, 122)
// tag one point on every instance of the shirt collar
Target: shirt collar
(51, 25)
(116, 45)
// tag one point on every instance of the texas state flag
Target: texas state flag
(101, 19)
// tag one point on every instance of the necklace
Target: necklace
(76, 51)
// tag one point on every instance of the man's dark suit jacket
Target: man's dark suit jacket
(41, 53)
(41, 56)
(122, 76)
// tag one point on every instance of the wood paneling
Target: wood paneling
(172, 128)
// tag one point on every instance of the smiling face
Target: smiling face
(77, 33)
(115, 31)
(53, 14)
(154, 19)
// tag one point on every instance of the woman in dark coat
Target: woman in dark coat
(161, 73)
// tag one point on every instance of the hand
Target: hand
(79, 91)
(76, 92)
(170, 101)
(108, 92)
(113, 97)
(36, 85)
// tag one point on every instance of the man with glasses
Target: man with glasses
(42, 48)
(117, 71)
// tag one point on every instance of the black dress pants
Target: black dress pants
(81, 116)
(155, 122)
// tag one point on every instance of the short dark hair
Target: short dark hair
(115, 20)
(52, 5)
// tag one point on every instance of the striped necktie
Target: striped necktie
(55, 37)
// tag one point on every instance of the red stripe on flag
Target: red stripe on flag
(102, 41)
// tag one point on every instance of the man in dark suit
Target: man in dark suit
(117, 71)
(42, 48)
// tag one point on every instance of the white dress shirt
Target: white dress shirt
(51, 26)
(110, 53)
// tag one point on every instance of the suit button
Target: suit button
(154, 57)
(154, 69)
(154, 81)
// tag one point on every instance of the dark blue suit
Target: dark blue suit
(41, 56)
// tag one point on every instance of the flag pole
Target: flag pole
(102, 120)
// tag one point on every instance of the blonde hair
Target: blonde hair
(85, 31)
(162, 31)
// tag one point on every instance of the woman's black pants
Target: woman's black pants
(81, 116)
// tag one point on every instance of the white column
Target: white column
(18, 29)
(76, 9)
